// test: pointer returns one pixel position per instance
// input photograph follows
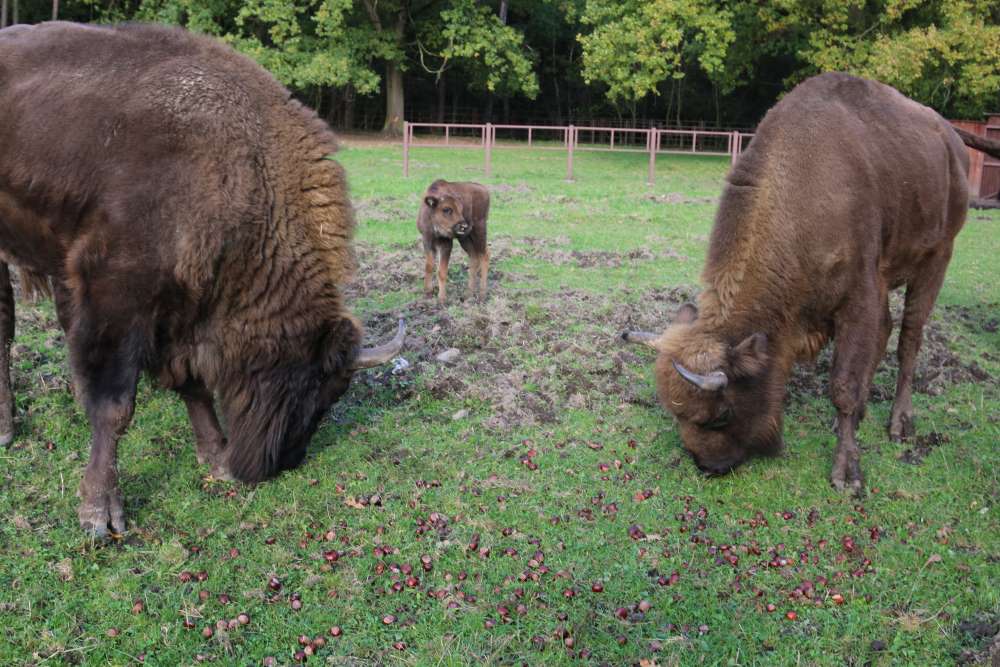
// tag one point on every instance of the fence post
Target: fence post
(651, 145)
(488, 132)
(447, 132)
(529, 136)
(570, 141)
(406, 149)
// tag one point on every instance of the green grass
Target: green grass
(540, 370)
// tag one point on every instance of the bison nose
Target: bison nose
(718, 468)
(461, 228)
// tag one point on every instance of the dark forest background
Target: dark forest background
(369, 64)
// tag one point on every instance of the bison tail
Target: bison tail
(34, 286)
(989, 146)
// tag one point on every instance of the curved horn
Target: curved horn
(375, 356)
(714, 381)
(642, 337)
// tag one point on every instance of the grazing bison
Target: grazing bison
(183, 209)
(450, 211)
(848, 191)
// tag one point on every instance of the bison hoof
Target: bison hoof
(221, 473)
(102, 515)
(848, 481)
(901, 428)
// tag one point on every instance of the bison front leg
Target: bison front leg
(210, 442)
(6, 336)
(859, 329)
(428, 272)
(479, 263)
(106, 365)
(443, 256)
(921, 293)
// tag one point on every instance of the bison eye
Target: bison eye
(719, 422)
(447, 211)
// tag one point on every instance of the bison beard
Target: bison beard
(831, 207)
(189, 223)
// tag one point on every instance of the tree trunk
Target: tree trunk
(558, 106)
(503, 12)
(394, 84)
(680, 87)
(55, 10)
(14, 21)
(3, 13)
(393, 100)
(442, 92)
(349, 99)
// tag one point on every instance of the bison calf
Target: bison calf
(452, 211)
(848, 191)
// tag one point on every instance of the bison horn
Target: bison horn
(643, 337)
(714, 381)
(375, 356)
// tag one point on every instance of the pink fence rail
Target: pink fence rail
(484, 137)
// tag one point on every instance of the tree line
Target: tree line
(372, 63)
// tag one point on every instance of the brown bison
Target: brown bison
(183, 209)
(452, 211)
(848, 191)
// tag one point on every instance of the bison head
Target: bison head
(274, 409)
(447, 215)
(724, 394)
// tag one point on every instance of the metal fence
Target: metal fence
(651, 141)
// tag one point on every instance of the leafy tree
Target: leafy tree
(944, 53)
(636, 45)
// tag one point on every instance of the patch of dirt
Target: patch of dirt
(385, 209)
(678, 198)
(532, 353)
(922, 446)
(555, 252)
(519, 188)
(938, 367)
(983, 633)
(982, 318)
(528, 353)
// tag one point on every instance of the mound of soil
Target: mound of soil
(983, 632)
(922, 446)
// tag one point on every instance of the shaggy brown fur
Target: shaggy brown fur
(452, 211)
(848, 190)
(184, 208)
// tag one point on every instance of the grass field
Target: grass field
(561, 521)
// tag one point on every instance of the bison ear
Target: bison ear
(432, 202)
(749, 358)
(339, 345)
(687, 314)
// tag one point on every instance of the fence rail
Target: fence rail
(484, 137)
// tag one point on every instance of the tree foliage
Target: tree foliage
(633, 46)
(593, 56)
(944, 53)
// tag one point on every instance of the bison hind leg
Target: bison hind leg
(6, 336)
(921, 292)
